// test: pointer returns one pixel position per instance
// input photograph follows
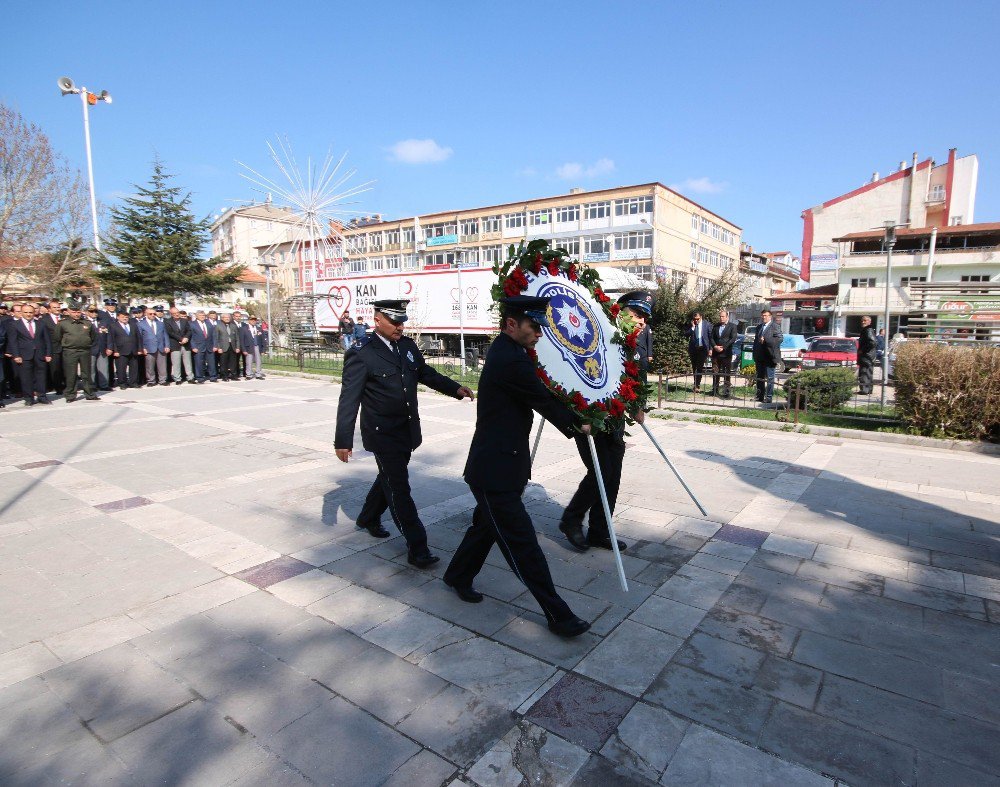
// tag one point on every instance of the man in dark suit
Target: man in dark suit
(98, 352)
(30, 347)
(125, 345)
(179, 346)
(699, 334)
(4, 320)
(214, 360)
(380, 377)
(723, 338)
(866, 356)
(766, 355)
(49, 318)
(203, 348)
(251, 342)
(499, 465)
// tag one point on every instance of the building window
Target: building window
(642, 271)
(410, 262)
(491, 254)
(469, 226)
(956, 221)
(695, 222)
(595, 245)
(597, 210)
(513, 221)
(357, 265)
(702, 255)
(975, 277)
(409, 233)
(249, 294)
(360, 243)
(706, 226)
(678, 280)
(906, 281)
(540, 217)
(937, 192)
(391, 236)
(375, 241)
(490, 224)
(694, 252)
(392, 263)
(868, 281)
(702, 286)
(568, 213)
(634, 240)
(572, 245)
(376, 263)
(633, 206)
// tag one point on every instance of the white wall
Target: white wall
(963, 199)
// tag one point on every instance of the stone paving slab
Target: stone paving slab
(836, 619)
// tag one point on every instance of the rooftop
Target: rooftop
(987, 228)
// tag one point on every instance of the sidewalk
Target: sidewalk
(184, 599)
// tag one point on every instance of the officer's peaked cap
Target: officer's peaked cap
(395, 310)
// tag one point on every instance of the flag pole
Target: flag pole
(671, 466)
(538, 439)
(607, 513)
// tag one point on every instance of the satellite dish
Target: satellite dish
(66, 85)
(105, 96)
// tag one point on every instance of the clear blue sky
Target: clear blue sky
(755, 110)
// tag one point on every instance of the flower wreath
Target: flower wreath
(613, 411)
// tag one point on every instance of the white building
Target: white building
(922, 194)
(238, 232)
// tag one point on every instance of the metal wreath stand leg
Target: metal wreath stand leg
(671, 466)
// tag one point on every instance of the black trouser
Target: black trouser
(71, 360)
(866, 368)
(610, 454)
(32, 373)
(56, 377)
(722, 365)
(11, 378)
(391, 490)
(500, 517)
(229, 364)
(698, 356)
(127, 371)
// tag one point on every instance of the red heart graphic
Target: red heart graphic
(471, 293)
(454, 294)
(339, 299)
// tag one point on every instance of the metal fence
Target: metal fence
(792, 400)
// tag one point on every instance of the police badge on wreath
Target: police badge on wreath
(584, 357)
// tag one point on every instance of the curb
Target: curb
(968, 446)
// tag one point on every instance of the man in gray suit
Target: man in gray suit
(227, 339)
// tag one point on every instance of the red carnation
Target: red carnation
(531, 353)
(631, 368)
(536, 266)
(553, 268)
(601, 406)
(599, 294)
(538, 257)
(615, 308)
(579, 402)
(542, 375)
(617, 407)
(632, 339)
(572, 271)
(511, 287)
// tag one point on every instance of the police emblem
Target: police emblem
(573, 328)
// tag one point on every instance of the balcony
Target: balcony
(867, 299)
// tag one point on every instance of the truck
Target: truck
(433, 313)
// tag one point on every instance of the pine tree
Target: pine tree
(155, 247)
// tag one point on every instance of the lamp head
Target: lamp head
(66, 85)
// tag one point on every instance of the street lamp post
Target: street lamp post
(67, 86)
(270, 325)
(890, 241)
(461, 309)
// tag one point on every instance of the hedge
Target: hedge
(822, 389)
(945, 391)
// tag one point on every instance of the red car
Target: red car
(830, 351)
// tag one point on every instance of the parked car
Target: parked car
(827, 351)
(793, 347)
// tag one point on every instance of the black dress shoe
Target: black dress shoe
(605, 543)
(29, 402)
(422, 561)
(574, 534)
(469, 594)
(573, 627)
(43, 400)
(180, 382)
(164, 383)
(91, 397)
(375, 529)
(71, 398)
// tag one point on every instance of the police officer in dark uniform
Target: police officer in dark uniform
(499, 465)
(76, 334)
(381, 376)
(610, 451)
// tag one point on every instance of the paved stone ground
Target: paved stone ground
(184, 600)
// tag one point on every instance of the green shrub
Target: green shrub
(822, 389)
(945, 391)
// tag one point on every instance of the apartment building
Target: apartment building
(648, 230)
(767, 273)
(923, 194)
(239, 232)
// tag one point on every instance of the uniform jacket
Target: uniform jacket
(106, 318)
(3, 338)
(202, 342)
(227, 336)
(124, 343)
(767, 344)
(644, 347)
(74, 334)
(499, 457)
(176, 330)
(725, 337)
(154, 337)
(100, 342)
(384, 386)
(21, 345)
(866, 343)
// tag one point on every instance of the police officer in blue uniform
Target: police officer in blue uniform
(381, 374)
(586, 501)
(499, 465)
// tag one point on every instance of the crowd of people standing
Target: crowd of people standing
(56, 347)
